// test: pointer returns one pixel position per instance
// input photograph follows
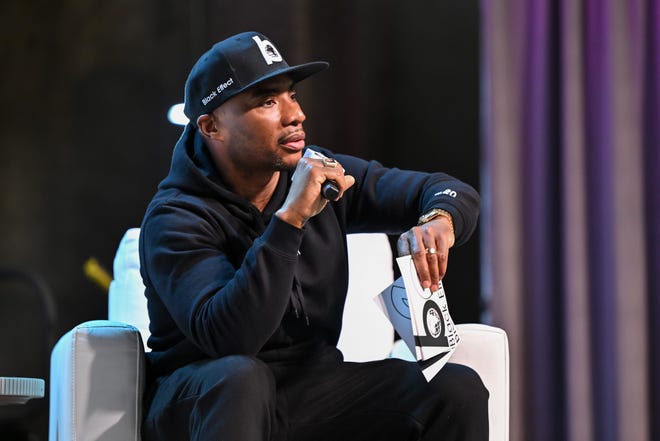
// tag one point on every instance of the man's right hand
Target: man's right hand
(304, 200)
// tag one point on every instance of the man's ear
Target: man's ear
(208, 126)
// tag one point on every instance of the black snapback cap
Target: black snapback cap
(234, 65)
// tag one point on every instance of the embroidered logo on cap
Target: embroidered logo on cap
(217, 91)
(268, 50)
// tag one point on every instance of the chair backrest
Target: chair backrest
(366, 332)
(126, 300)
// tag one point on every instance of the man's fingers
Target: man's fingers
(437, 266)
(331, 170)
(402, 246)
(419, 256)
(429, 253)
(434, 274)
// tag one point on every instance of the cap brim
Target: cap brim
(297, 73)
(302, 71)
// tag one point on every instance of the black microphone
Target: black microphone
(329, 190)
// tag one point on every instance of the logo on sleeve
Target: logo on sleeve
(447, 191)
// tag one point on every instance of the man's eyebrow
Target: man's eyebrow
(261, 91)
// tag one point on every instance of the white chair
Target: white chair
(97, 368)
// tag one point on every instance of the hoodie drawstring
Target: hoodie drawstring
(298, 300)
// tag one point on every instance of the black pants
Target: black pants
(242, 398)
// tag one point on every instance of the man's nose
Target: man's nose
(293, 113)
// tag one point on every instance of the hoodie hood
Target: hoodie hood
(194, 173)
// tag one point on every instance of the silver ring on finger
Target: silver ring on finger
(329, 162)
(431, 250)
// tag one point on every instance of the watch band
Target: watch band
(432, 214)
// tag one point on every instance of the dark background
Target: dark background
(84, 138)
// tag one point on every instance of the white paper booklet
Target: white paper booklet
(421, 318)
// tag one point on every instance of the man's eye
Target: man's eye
(269, 102)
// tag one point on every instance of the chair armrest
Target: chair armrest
(486, 350)
(96, 383)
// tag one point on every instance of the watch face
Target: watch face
(428, 216)
(434, 213)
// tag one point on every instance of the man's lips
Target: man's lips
(294, 141)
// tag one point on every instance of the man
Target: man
(245, 268)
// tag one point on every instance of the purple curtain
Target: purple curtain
(651, 142)
(571, 219)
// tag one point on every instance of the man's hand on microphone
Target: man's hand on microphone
(305, 199)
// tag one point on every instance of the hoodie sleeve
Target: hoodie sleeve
(222, 309)
(391, 200)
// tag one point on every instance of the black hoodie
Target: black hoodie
(224, 278)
